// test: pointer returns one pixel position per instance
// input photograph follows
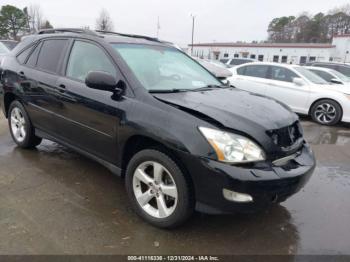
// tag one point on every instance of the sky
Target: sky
(216, 20)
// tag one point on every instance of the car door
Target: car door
(252, 78)
(40, 75)
(282, 88)
(89, 118)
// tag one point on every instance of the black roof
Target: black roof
(100, 36)
(109, 36)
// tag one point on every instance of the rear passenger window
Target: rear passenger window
(23, 56)
(86, 57)
(33, 57)
(50, 54)
(256, 71)
(282, 74)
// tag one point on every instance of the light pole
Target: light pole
(193, 19)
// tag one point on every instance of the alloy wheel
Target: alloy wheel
(325, 113)
(155, 189)
(18, 125)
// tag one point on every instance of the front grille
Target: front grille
(287, 137)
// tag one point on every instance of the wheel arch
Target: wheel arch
(136, 143)
(8, 99)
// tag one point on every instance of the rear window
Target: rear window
(240, 61)
(50, 54)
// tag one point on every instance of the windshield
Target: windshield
(311, 76)
(3, 49)
(342, 77)
(164, 68)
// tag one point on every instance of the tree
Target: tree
(319, 28)
(104, 22)
(12, 21)
(46, 25)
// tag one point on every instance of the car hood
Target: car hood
(218, 71)
(235, 109)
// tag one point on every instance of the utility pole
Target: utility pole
(158, 27)
(193, 19)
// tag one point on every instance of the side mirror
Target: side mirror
(298, 81)
(101, 81)
(336, 81)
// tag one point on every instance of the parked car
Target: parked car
(3, 51)
(303, 91)
(10, 44)
(330, 75)
(236, 61)
(340, 67)
(181, 139)
(219, 70)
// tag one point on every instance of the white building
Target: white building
(284, 53)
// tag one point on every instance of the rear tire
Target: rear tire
(326, 112)
(21, 128)
(158, 190)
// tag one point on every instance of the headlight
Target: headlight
(232, 148)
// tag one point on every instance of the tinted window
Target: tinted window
(86, 57)
(239, 61)
(276, 58)
(33, 58)
(256, 71)
(326, 66)
(50, 54)
(284, 59)
(282, 74)
(23, 56)
(241, 70)
(344, 70)
(261, 58)
(322, 74)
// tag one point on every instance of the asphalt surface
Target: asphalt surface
(55, 201)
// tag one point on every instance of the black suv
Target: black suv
(150, 113)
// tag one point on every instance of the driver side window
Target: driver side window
(86, 57)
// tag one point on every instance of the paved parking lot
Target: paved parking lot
(55, 201)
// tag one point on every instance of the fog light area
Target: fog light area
(236, 197)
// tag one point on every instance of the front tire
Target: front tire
(326, 112)
(158, 189)
(21, 128)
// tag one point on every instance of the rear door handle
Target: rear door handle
(21, 74)
(61, 88)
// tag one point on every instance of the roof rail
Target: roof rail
(67, 30)
(154, 39)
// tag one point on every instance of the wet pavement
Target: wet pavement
(55, 201)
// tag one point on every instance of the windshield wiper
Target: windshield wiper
(210, 87)
(168, 90)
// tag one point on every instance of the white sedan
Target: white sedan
(303, 91)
